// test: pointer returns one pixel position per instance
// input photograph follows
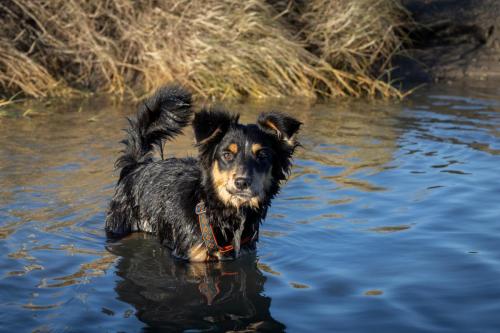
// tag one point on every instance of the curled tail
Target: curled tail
(160, 117)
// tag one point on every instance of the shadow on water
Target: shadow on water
(172, 295)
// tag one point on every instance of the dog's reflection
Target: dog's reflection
(178, 296)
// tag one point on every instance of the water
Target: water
(389, 223)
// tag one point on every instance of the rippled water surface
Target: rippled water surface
(390, 223)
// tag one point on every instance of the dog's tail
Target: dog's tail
(160, 117)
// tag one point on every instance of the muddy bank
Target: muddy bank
(453, 40)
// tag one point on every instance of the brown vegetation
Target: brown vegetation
(218, 48)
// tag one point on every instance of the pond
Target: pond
(390, 222)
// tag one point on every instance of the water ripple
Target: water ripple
(389, 223)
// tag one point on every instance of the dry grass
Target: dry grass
(218, 48)
(4, 102)
(357, 39)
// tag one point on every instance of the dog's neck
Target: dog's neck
(223, 230)
(223, 215)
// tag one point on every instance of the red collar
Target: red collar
(208, 235)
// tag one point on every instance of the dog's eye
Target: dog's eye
(227, 156)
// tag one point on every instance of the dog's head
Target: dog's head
(244, 164)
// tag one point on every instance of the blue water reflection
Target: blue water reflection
(390, 223)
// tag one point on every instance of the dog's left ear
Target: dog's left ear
(281, 125)
(210, 125)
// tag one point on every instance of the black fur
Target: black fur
(159, 196)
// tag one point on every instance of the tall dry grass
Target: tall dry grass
(357, 39)
(218, 48)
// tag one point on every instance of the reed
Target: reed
(4, 102)
(219, 48)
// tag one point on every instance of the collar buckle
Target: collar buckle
(200, 208)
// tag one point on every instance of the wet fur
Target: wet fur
(159, 196)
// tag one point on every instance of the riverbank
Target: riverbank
(219, 49)
(452, 41)
(255, 49)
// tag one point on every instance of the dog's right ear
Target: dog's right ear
(210, 125)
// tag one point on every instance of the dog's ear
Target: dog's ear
(281, 125)
(210, 125)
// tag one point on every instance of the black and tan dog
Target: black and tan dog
(208, 208)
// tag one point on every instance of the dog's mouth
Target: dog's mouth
(238, 198)
(242, 194)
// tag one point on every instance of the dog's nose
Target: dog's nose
(242, 183)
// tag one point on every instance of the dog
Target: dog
(207, 208)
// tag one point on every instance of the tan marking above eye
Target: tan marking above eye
(256, 147)
(233, 148)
